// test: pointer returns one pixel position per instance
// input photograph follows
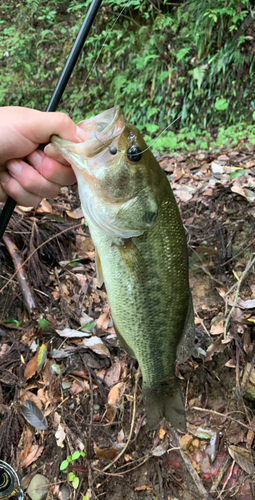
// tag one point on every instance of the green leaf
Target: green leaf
(221, 104)
(182, 53)
(237, 173)
(70, 476)
(43, 323)
(75, 482)
(83, 454)
(10, 321)
(76, 455)
(64, 465)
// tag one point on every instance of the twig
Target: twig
(239, 253)
(200, 487)
(161, 490)
(131, 427)
(227, 480)
(36, 250)
(90, 431)
(248, 267)
(220, 474)
(249, 427)
(21, 275)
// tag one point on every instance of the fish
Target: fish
(140, 254)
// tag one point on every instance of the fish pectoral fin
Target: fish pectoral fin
(138, 213)
(132, 259)
(99, 270)
(186, 345)
(165, 402)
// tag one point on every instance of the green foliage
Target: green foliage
(155, 64)
(74, 480)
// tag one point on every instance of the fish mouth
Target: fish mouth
(104, 127)
(104, 131)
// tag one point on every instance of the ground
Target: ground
(58, 349)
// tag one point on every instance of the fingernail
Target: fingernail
(4, 177)
(14, 167)
(50, 149)
(37, 158)
(82, 135)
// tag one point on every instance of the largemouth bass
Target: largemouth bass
(140, 253)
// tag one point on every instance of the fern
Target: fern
(198, 74)
(34, 5)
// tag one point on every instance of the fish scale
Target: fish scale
(141, 255)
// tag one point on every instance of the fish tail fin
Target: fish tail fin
(162, 402)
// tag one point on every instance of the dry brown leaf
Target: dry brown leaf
(79, 386)
(45, 208)
(161, 433)
(75, 214)
(218, 328)
(243, 458)
(29, 396)
(112, 375)
(213, 348)
(97, 345)
(32, 456)
(115, 393)
(36, 363)
(230, 364)
(105, 454)
(60, 436)
(142, 488)
(103, 321)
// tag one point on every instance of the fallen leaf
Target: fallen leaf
(71, 334)
(230, 364)
(34, 453)
(78, 386)
(243, 458)
(161, 433)
(103, 321)
(216, 346)
(75, 214)
(217, 329)
(248, 304)
(115, 393)
(185, 441)
(142, 488)
(112, 375)
(35, 364)
(105, 454)
(160, 449)
(33, 415)
(96, 345)
(60, 436)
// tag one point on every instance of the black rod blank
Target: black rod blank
(58, 92)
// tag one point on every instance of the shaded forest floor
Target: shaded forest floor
(63, 355)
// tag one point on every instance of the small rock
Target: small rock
(38, 487)
(64, 493)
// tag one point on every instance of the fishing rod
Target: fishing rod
(58, 92)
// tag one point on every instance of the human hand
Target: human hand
(21, 132)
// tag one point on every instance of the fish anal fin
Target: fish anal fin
(100, 276)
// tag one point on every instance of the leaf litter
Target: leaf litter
(65, 362)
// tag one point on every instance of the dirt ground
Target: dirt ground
(90, 390)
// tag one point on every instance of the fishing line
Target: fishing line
(100, 52)
(112, 149)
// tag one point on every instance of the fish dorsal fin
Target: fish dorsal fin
(100, 276)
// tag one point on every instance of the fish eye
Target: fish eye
(134, 153)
